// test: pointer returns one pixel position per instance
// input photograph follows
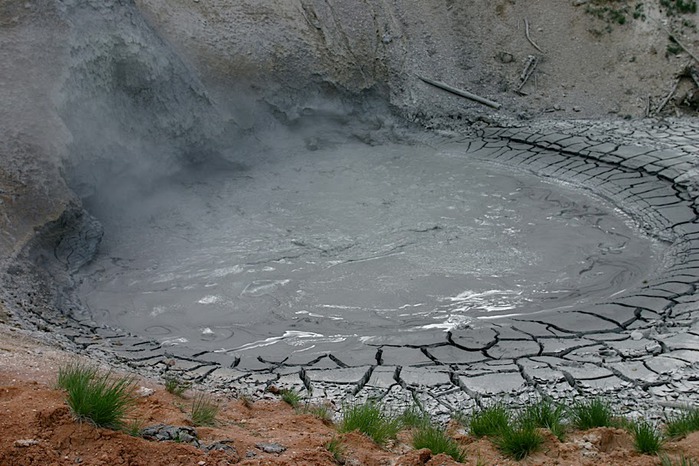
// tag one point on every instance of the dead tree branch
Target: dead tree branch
(693, 74)
(526, 32)
(532, 61)
(677, 41)
(461, 93)
(668, 97)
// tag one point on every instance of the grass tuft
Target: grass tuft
(134, 427)
(490, 421)
(679, 425)
(175, 386)
(519, 442)
(370, 420)
(679, 461)
(414, 417)
(646, 437)
(460, 417)
(319, 411)
(437, 441)
(547, 415)
(337, 449)
(204, 410)
(592, 413)
(246, 400)
(290, 397)
(100, 398)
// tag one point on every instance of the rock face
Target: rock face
(98, 84)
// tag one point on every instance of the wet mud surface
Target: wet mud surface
(336, 250)
(640, 343)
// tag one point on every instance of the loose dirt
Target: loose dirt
(37, 428)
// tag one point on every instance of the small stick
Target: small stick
(461, 93)
(667, 99)
(532, 61)
(674, 37)
(648, 106)
(526, 32)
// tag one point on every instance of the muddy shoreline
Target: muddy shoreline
(94, 86)
(647, 359)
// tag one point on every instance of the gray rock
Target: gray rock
(164, 432)
(23, 443)
(654, 348)
(223, 445)
(505, 57)
(271, 447)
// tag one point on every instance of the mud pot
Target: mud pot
(330, 250)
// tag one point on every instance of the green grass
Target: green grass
(519, 442)
(175, 386)
(679, 425)
(460, 417)
(319, 411)
(204, 410)
(437, 441)
(414, 417)
(134, 427)
(100, 398)
(337, 449)
(293, 398)
(680, 461)
(370, 420)
(246, 400)
(547, 415)
(674, 7)
(290, 397)
(646, 437)
(593, 413)
(490, 421)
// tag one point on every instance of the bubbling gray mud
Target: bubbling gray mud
(336, 247)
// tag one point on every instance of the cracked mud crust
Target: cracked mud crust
(37, 428)
(640, 346)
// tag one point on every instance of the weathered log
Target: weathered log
(668, 97)
(461, 93)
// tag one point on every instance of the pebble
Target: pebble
(145, 391)
(654, 348)
(271, 447)
(23, 443)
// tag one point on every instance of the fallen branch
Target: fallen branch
(461, 93)
(682, 45)
(677, 41)
(667, 98)
(693, 74)
(526, 32)
(532, 61)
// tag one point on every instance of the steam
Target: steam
(140, 118)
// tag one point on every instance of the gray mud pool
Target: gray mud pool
(333, 249)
